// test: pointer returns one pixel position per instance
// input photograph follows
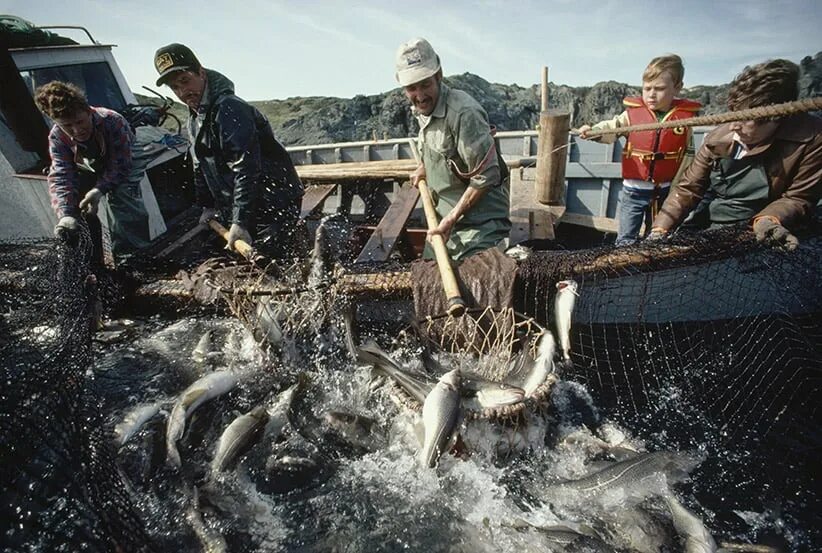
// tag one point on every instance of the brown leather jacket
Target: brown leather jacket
(793, 163)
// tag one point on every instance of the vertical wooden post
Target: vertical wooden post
(554, 125)
(544, 102)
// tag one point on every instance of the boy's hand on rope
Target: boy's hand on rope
(768, 230)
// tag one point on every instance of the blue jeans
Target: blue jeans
(634, 208)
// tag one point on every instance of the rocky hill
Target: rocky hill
(318, 120)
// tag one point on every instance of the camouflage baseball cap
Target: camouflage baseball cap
(416, 61)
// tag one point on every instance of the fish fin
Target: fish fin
(419, 431)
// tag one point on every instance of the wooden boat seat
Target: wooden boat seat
(388, 230)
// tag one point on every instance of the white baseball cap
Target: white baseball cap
(416, 61)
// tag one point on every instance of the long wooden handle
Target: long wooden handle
(456, 305)
(240, 246)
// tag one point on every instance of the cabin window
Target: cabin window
(96, 79)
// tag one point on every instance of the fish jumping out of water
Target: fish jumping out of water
(488, 393)
(267, 327)
(204, 347)
(690, 528)
(210, 386)
(236, 436)
(441, 417)
(134, 421)
(543, 364)
(674, 465)
(563, 308)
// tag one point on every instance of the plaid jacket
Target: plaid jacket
(114, 138)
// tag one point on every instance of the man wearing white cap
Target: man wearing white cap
(459, 158)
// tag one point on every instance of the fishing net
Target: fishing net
(496, 344)
(59, 487)
(273, 302)
(707, 337)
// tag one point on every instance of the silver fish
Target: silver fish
(278, 411)
(321, 262)
(418, 385)
(440, 416)
(134, 421)
(211, 540)
(624, 473)
(543, 364)
(267, 328)
(689, 527)
(203, 348)
(563, 308)
(210, 386)
(236, 436)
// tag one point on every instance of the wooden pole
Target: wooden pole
(456, 305)
(240, 246)
(554, 125)
(544, 102)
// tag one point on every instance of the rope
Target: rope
(763, 112)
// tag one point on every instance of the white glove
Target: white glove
(208, 214)
(91, 200)
(656, 234)
(65, 227)
(236, 232)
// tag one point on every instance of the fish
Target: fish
(489, 393)
(211, 540)
(203, 348)
(563, 308)
(236, 436)
(267, 327)
(543, 364)
(210, 386)
(440, 417)
(134, 420)
(278, 411)
(417, 385)
(673, 464)
(321, 263)
(689, 527)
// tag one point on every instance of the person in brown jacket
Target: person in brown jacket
(768, 172)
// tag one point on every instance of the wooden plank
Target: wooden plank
(385, 236)
(314, 197)
(603, 224)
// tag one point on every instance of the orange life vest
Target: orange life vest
(655, 156)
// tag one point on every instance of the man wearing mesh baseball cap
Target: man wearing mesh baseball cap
(242, 173)
(458, 156)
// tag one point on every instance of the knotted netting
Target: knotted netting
(733, 325)
(59, 488)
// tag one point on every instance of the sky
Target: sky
(280, 49)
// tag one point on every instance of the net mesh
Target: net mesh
(59, 487)
(708, 335)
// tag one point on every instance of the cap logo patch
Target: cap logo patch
(413, 57)
(163, 62)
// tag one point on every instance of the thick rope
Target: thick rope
(763, 112)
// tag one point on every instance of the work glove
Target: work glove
(236, 232)
(91, 200)
(769, 231)
(66, 228)
(657, 234)
(208, 214)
